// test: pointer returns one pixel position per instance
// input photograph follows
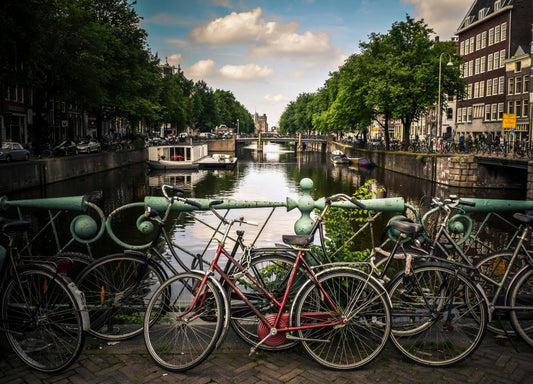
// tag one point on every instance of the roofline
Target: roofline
(491, 16)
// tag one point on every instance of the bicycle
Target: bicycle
(507, 278)
(340, 315)
(117, 287)
(42, 312)
(439, 313)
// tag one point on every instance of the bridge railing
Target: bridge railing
(86, 222)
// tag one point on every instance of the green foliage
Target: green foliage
(341, 224)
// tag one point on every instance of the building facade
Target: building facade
(260, 122)
(490, 34)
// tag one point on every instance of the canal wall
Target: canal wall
(21, 175)
(461, 171)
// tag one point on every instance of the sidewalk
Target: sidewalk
(128, 362)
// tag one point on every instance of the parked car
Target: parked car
(88, 146)
(13, 151)
(67, 147)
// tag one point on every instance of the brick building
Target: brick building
(492, 32)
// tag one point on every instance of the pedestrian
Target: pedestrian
(489, 143)
(468, 143)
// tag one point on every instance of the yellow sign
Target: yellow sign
(509, 121)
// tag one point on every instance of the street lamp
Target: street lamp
(439, 116)
(237, 127)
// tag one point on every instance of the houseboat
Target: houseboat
(187, 156)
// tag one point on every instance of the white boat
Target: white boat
(218, 160)
(187, 156)
(338, 157)
(176, 156)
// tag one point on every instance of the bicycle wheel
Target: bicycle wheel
(522, 303)
(189, 330)
(42, 320)
(363, 306)
(492, 268)
(439, 316)
(117, 290)
(272, 272)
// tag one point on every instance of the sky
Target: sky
(267, 52)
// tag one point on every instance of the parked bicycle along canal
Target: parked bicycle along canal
(272, 175)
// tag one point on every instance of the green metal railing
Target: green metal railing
(89, 222)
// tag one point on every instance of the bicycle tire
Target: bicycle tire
(522, 296)
(43, 320)
(116, 297)
(272, 271)
(364, 305)
(493, 266)
(421, 307)
(179, 344)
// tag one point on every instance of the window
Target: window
(496, 60)
(502, 58)
(504, 31)
(489, 87)
(497, 34)
(482, 66)
(510, 107)
(497, 5)
(518, 83)
(518, 108)
(459, 115)
(476, 90)
(502, 85)
(490, 61)
(469, 117)
(472, 47)
(494, 111)
(518, 66)
(482, 88)
(478, 64)
(491, 36)
(471, 68)
(500, 111)
(469, 92)
(526, 83)
(484, 39)
(478, 41)
(449, 113)
(467, 46)
(487, 112)
(464, 114)
(525, 108)
(462, 48)
(511, 86)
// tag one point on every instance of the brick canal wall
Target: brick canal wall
(461, 171)
(21, 175)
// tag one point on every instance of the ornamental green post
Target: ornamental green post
(305, 204)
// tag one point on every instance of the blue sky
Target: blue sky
(268, 52)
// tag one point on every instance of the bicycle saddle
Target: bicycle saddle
(298, 240)
(13, 225)
(406, 227)
(526, 219)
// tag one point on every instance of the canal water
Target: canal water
(272, 176)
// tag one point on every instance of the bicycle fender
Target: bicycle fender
(514, 280)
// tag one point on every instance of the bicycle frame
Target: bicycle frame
(214, 268)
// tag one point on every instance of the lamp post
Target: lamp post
(237, 127)
(439, 116)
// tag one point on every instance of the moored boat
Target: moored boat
(187, 156)
(338, 157)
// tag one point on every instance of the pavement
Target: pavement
(496, 361)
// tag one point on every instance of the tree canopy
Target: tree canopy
(395, 76)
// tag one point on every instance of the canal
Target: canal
(273, 175)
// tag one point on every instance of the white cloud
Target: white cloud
(442, 16)
(235, 27)
(276, 98)
(266, 39)
(245, 72)
(201, 69)
(174, 59)
(207, 68)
